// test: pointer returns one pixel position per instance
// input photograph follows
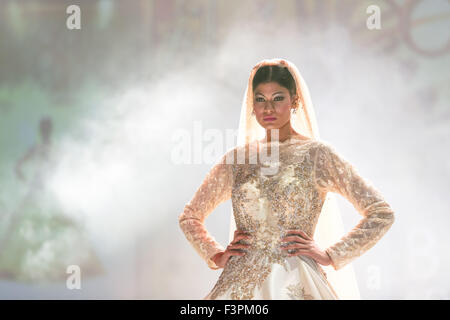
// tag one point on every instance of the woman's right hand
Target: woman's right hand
(233, 249)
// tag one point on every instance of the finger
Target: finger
(300, 252)
(295, 246)
(293, 252)
(299, 232)
(241, 237)
(237, 232)
(237, 239)
(235, 253)
(294, 238)
(238, 246)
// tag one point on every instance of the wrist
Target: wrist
(216, 256)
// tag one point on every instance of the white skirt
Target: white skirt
(302, 280)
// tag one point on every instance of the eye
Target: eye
(281, 98)
(259, 99)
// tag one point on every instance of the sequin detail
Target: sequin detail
(265, 205)
(297, 292)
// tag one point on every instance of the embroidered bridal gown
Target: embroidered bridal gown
(266, 205)
(38, 242)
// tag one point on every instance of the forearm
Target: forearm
(362, 237)
(199, 237)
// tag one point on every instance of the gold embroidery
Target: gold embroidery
(267, 205)
(297, 292)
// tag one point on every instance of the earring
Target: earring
(294, 110)
(253, 112)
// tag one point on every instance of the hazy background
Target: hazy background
(117, 90)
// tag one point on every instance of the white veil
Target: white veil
(329, 228)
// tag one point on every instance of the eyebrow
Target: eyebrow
(272, 94)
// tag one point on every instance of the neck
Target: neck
(285, 132)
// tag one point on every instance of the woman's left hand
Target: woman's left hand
(304, 245)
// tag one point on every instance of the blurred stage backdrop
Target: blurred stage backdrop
(90, 115)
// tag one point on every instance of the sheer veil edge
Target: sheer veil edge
(329, 228)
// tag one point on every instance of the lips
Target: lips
(269, 118)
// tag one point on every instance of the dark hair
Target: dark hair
(45, 126)
(274, 73)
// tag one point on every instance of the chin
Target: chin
(271, 126)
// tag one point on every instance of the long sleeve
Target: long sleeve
(335, 174)
(215, 189)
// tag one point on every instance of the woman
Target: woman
(38, 241)
(277, 203)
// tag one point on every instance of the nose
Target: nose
(270, 102)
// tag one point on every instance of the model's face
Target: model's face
(272, 104)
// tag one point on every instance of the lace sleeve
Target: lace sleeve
(335, 174)
(215, 189)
